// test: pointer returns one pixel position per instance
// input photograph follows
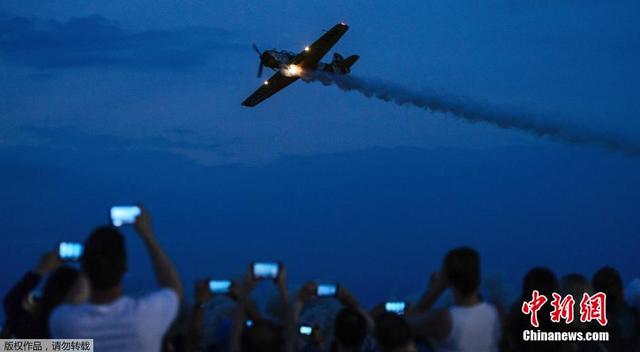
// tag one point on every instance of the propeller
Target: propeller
(255, 47)
(260, 66)
(260, 70)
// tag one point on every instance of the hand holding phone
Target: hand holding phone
(220, 287)
(326, 290)
(124, 214)
(70, 251)
(265, 270)
(397, 307)
(311, 334)
(305, 330)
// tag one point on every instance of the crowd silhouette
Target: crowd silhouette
(91, 302)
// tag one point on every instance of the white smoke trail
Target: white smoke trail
(473, 113)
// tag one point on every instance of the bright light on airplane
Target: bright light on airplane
(292, 70)
(306, 48)
(266, 82)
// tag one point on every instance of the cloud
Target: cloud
(97, 41)
(68, 138)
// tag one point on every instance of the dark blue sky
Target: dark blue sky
(140, 101)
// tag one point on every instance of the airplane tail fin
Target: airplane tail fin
(345, 65)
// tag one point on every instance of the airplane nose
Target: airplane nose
(268, 60)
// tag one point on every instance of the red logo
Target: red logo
(562, 308)
(532, 307)
(592, 307)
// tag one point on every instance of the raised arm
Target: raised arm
(437, 285)
(239, 316)
(13, 300)
(195, 332)
(165, 271)
(289, 326)
(423, 320)
(306, 292)
(348, 300)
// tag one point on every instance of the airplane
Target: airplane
(290, 67)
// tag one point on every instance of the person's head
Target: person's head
(262, 336)
(541, 279)
(462, 270)
(575, 285)
(608, 280)
(56, 288)
(393, 333)
(104, 259)
(350, 329)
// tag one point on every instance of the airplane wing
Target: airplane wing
(320, 47)
(269, 88)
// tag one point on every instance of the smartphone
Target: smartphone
(70, 251)
(326, 290)
(124, 215)
(305, 330)
(397, 307)
(220, 287)
(265, 270)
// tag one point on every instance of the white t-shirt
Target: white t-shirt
(127, 324)
(473, 329)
